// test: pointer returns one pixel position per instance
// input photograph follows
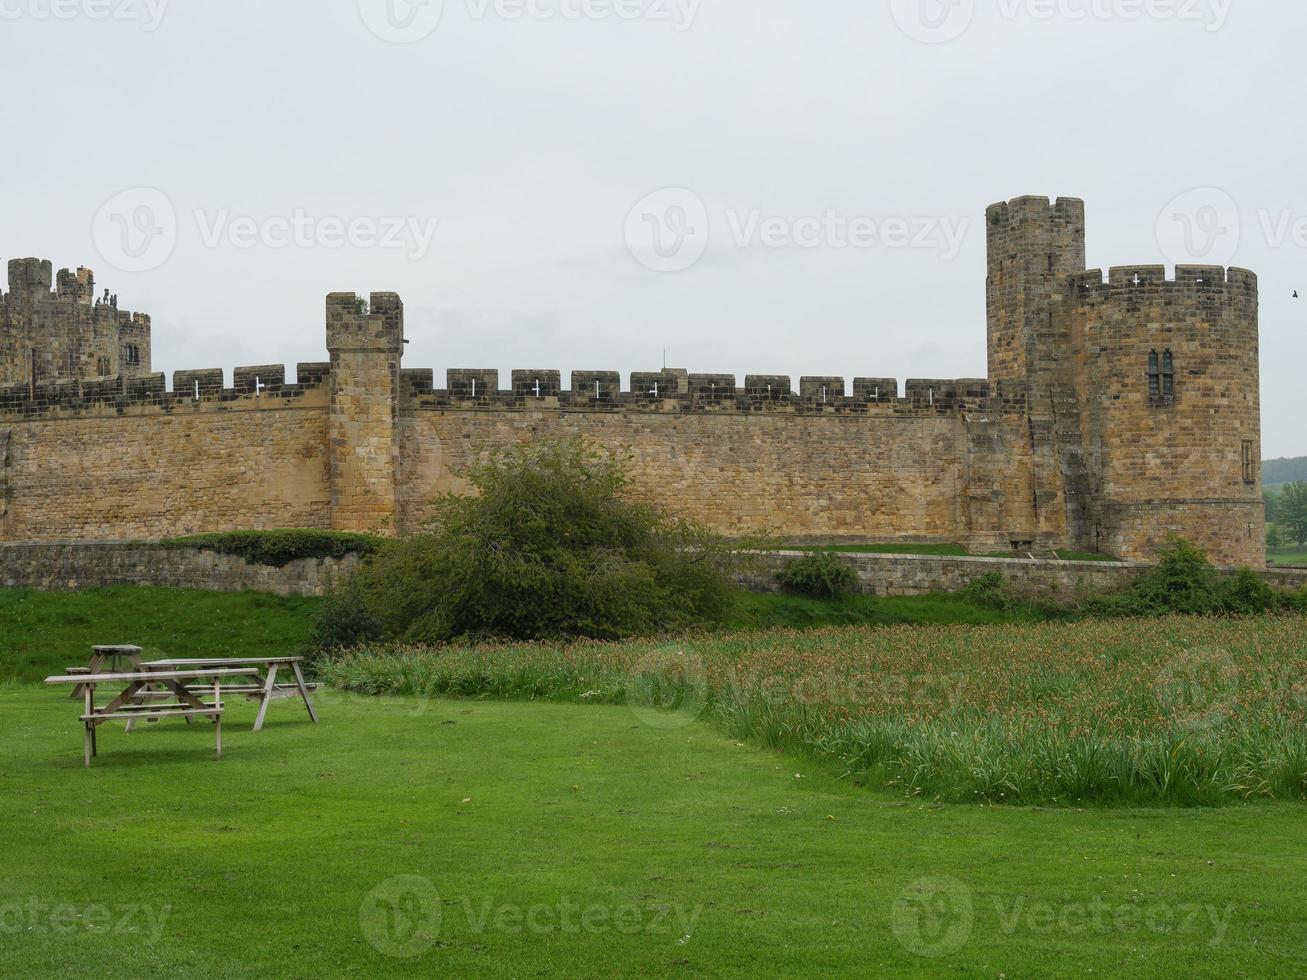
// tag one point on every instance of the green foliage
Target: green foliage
(1177, 710)
(551, 545)
(1271, 498)
(280, 547)
(343, 621)
(1274, 539)
(1279, 471)
(990, 591)
(44, 632)
(1291, 512)
(821, 575)
(1184, 582)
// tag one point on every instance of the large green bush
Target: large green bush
(551, 545)
(280, 547)
(821, 575)
(1184, 582)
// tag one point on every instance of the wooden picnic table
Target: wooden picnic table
(261, 670)
(127, 704)
(265, 689)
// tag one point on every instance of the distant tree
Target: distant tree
(1274, 539)
(1277, 471)
(1292, 511)
(1272, 500)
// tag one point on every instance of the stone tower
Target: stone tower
(58, 330)
(1034, 246)
(1142, 392)
(363, 427)
(1168, 378)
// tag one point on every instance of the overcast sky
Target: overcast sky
(758, 186)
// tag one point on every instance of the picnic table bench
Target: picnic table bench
(180, 683)
(265, 687)
(259, 673)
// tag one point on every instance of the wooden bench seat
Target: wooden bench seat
(165, 713)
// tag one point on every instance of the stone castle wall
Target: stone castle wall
(1074, 441)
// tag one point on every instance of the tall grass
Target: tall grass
(1181, 711)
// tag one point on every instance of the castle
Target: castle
(1115, 413)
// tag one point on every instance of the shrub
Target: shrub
(551, 545)
(990, 591)
(822, 575)
(1184, 582)
(343, 621)
(280, 547)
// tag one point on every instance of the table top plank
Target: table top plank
(149, 675)
(229, 661)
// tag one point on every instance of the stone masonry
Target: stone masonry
(1115, 413)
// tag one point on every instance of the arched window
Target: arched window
(1154, 375)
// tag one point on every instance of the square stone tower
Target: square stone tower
(366, 343)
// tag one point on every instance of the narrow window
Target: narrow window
(1249, 462)
(1168, 375)
(133, 355)
(1154, 375)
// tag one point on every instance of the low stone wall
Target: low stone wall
(88, 565)
(900, 575)
(83, 565)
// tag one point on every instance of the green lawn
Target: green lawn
(42, 633)
(941, 550)
(568, 841)
(1287, 556)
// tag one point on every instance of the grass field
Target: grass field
(45, 632)
(1183, 711)
(1287, 556)
(404, 837)
(943, 550)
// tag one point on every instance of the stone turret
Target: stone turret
(363, 427)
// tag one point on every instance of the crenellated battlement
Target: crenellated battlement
(253, 388)
(669, 391)
(1034, 208)
(1125, 279)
